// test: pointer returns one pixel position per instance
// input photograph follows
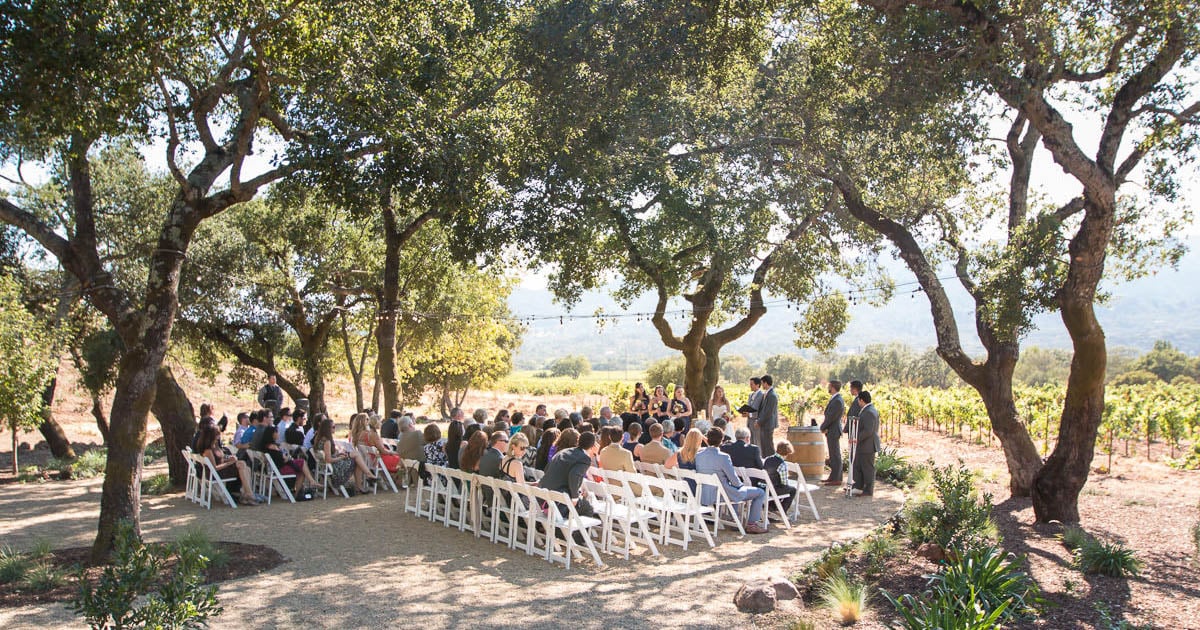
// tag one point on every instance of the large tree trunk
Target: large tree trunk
(1057, 486)
(996, 390)
(98, 414)
(177, 418)
(56, 438)
(376, 390)
(315, 375)
(385, 332)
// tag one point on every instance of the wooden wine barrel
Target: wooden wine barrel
(808, 446)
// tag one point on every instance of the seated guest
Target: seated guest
(310, 431)
(513, 468)
(567, 470)
(243, 444)
(518, 424)
(411, 443)
(455, 438)
(585, 418)
(673, 436)
(545, 445)
(391, 427)
(501, 416)
(468, 461)
(691, 446)
(489, 462)
(480, 416)
(294, 435)
(656, 451)
(234, 473)
(344, 463)
(567, 438)
(614, 456)
(284, 461)
(243, 423)
(741, 451)
(711, 460)
(285, 423)
(776, 467)
(607, 419)
(367, 434)
(632, 441)
(435, 446)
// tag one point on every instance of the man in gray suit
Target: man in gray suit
(867, 445)
(712, 460)
(832, 428)
(753, 403)
(768, 417)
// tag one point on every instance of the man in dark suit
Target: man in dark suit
(489, 462)
(832, 428)
(768, 416)
(866, 446)
(853, 408)
(741, 451)
(390, 429)
(566, 472)
(754, 402)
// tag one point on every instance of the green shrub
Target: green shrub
(892, 467)
(1105, 558)
(197, 539)
(153, 452)
(41, 549)
(877, 549)
(89, 464)
(182, 602)
(993, 580)
(1074, 538)
(830, 562)
(847, 599)
(156, 485)
(43, 576)
(952, 513)
(13, 565)
(941, 611)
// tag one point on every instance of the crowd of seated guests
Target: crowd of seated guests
(562, 445)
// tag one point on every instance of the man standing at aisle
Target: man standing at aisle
(854, 408)
(768, 416)
(270, 396)
(832, 428)
(867, 445)
(754, 403)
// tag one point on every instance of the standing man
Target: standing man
(832, 428)
(868, 445)
(270, 396)
(768, 416)
(753, 404)
(853, 410)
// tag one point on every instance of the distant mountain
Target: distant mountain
(1162, 306)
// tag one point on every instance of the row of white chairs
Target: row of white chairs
(520, 516)
(754, 477)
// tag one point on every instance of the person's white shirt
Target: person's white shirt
(308, 437)
(281, 430)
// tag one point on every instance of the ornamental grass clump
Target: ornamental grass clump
(1105, 558)
(847, 599)
(982, 589)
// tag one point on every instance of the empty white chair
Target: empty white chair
(560, 530)
(802, 486)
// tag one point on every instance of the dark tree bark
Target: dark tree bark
(56, 438)
(395, 237)
(177, 418)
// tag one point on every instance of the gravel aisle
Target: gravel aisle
(363, 562)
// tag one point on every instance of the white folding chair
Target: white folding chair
(723, 501)
(190, 490)
(554, 523)
(760, 478)
(535, 473)
(676, 505)
(802, 485)
(412, 469)
(646, 468)
(211, 482)
(323, 473)
(614, 514)
(381, 472)
(274, 477)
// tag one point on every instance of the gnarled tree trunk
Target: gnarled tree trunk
(177, 418)
(56, 438)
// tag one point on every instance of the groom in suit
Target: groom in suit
(868, 445)
(832, 428)
(768, 416)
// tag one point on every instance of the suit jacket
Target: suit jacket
(833, 415)
(755, 402)
(614, 457)
(743, 454)
(566, 471)
(411, 445)
(653, 452)
(711, 460)
(489, 463)
(768, 412)
(852, 411)
(868, 430)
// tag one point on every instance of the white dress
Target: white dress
(718, 411)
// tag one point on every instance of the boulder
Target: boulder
(932, 552)
(784, 589)
(755, 597)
